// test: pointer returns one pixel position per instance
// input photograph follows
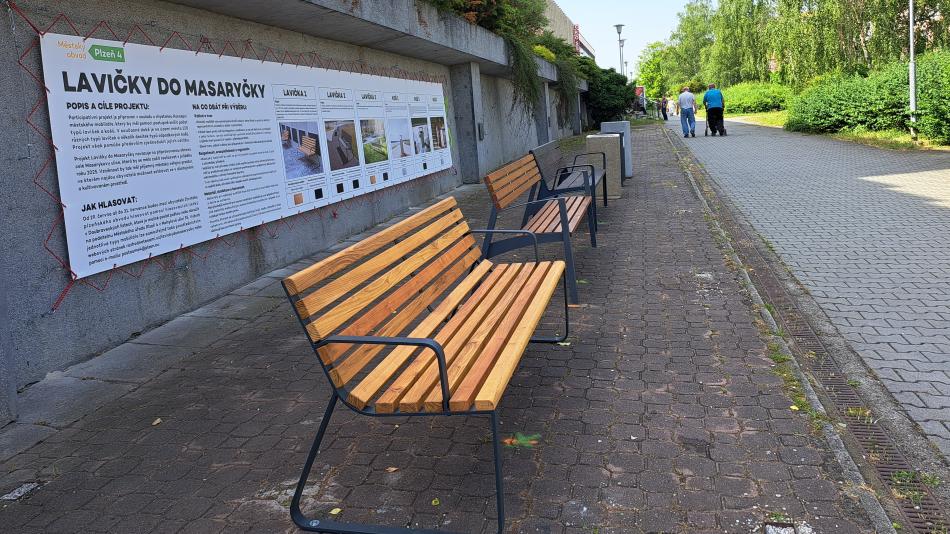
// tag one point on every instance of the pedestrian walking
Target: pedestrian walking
(715, 105)
(687, 101)
(664, 104)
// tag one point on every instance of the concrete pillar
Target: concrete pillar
(576, 119)
(542, 115)
(469, 120)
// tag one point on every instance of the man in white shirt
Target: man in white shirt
(687, 101)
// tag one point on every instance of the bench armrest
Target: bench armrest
(432, 344)
(534, 237)
(588, 177)
(603, 156)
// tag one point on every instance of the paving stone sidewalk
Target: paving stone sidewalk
(867, 231)
(662, 415)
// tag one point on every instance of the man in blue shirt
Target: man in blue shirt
(715, 106)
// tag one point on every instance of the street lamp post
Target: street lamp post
(622, 62)
(913, 76)
(620, 42)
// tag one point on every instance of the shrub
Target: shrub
(835, 103)
(542, 52)
(933, 96)
(755, 97)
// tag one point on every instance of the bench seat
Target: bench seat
(483, 342)
(548, 218)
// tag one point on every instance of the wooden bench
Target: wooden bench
(285, 136)
(549, 215)
(413, 321)
(308, 145)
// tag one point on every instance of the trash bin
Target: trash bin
(611, 145)
(624, 128)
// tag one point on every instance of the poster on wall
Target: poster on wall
(161, 149)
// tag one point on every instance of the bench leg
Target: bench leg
(567, 319)
(299, 519)
(604, 179)
(333, 527)
(499, 479)
(571, 275)
(592, 226)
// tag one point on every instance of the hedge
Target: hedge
(878, 102)
(753, 97)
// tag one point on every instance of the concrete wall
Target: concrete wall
(509, 132)
(558, 22)
(89, 320)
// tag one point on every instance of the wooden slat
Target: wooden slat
(325, 268)
(502, 188)
(342, 312)
(505, 170)
(514, 193)
(487, 330)
(497, 381)
(539, 222)
(492, 334)
(421, 381)
(391, 304)
(580, 211)
(364, 354)
(383, 372)
(318, 300)
(464, 394)
(455, 328)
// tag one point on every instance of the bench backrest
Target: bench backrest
(308, 143)
(382, 284)
(508, 183)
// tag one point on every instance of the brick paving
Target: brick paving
(661, 415)
(867, 231)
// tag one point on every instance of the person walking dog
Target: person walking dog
(715, 105)
(687, 101)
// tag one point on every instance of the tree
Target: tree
(652, 68)
(739, 51)
(690, 42)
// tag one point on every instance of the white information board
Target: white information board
(161, 149)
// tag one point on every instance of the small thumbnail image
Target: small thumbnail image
(374, 140)
(420, 136)
(341, 139)
(301, 147)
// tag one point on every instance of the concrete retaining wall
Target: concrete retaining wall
(35, 340)
(509, 133)
(90, 321)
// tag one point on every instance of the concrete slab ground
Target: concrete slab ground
(661, 413)
(867, 232)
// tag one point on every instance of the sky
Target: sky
(644, 21)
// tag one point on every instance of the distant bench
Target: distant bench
(456, 326)
(550, 214)
(308, 145)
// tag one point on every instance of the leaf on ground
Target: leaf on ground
(336, 511)
(565, 343)
(794, 408)
(582, 281)
(392, 469)
(521, 440)
(436, 502)
(157, 422)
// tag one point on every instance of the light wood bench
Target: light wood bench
(413, 321)
(285, 136)
(308, 145)
(549, 216)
